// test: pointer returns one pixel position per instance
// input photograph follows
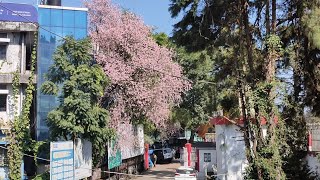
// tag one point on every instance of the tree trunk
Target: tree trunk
(248, 36)
(274, 15)
(267, 16)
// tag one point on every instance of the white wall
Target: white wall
(230, 147)
(206, 166)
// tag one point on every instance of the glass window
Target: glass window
(207, 157)
(68, 18)
(56, 17)
(68, 32)
(44, 16)
(80, 33)
(3, 51)
(56, 38)
(3, 102)
(3, 35)
(81, 19)
(42, 135)
(185, 171)
(44, 35)
(45, 54)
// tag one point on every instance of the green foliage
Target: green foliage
(82, 83)
(312, 24)
(15, 151)
(44, 176)
(20, 140)
(198, 103)
(49, 88)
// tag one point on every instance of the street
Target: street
(161, 171)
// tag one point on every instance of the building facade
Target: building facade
(17, 35)
(56, 22)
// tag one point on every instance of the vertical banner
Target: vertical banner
(61, 160)
(82, 159)
(114, 155)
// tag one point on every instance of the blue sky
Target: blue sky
(153, 12)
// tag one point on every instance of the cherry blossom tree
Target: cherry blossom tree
(145, 81)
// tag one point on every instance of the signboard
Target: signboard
(114, 155)
(18, 13)
(62, 160)
(82, 159)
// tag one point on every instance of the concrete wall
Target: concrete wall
(8, 115)
(230, 147)
(14, 54)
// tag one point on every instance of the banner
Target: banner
(114, 155)
(18, 13)
(82, 159)
(136, 145)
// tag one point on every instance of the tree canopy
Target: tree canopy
(145, 81)
(79, 82)
(251, 43)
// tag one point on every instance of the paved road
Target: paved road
(161, 171)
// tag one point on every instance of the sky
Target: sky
(153, 12)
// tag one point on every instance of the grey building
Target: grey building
(16, 42)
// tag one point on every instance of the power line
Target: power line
(164, 73)
(110, 172)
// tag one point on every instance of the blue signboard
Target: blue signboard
(61, 160)
(18, 13)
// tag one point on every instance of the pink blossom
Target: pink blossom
(145, 73)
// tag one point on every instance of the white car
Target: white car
(185, 173)
(164, 154)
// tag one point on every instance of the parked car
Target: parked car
(164, 155)
(185, 173)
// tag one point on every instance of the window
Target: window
(3, 157)
(3, 102)
(207, 157)
(68, 18)
(3, 35)
(3, 52)
(3, 86)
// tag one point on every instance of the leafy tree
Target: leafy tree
(79, 82)
(198, 103)
(145, 81)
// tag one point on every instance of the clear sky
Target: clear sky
(153, 12)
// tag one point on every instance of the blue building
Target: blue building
(56, 22)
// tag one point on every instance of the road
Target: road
(161, 171)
